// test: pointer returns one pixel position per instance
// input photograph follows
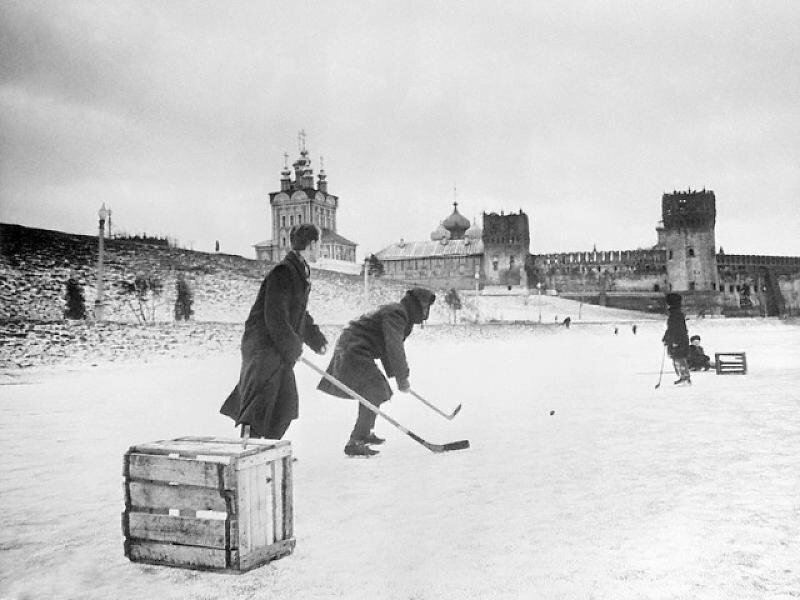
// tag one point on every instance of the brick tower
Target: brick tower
(688, 236)
(506, 243)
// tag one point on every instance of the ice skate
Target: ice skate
(359, 448)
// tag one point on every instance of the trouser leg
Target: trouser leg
(364, 423)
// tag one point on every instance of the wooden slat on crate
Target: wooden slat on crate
(191, 449)
(158, 467)
(262, 457)
(288, 507)
(243, 499)
(156, 495)
(260, 508)
(179, 530)
(260, 556)
(176, 555)
(275, 486)
(218, 440)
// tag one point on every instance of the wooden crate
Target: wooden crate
(205, 503)
(730, 362)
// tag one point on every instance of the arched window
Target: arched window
(691, 251)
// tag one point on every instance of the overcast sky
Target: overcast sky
(177, 114)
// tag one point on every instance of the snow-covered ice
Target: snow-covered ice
(625, 492)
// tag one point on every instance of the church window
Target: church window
(691, 251)
(291, 220)
(283, 221)
(714, 286)
(670, 254)
(494, 263)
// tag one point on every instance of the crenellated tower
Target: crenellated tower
(687, 231)
(506, 243)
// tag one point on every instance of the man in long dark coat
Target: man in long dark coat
(379, 335)
(676, 338)
(265, 400)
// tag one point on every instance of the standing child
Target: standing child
(676, 338)
(697, 357)
(379, 335)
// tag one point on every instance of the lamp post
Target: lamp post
(99, 303)
(477, 291)
(539, 287)
(366, 280)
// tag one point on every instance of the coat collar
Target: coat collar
(298, 263)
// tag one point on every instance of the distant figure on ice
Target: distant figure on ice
(634, 328)
(265, 400)
(676, 338)
(616, 330)
(567, 321)
(379, 335)
(697, 358)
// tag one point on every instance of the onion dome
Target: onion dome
(440, 233)
(474, 232)
(456, 223)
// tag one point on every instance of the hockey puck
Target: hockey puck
(552, 412)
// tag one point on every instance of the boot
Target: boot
(359, 448)
(685, 379)
(374, 439)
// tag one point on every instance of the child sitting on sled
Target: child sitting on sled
(697, 358)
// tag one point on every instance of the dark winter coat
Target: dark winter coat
(697, 358)
(274, 334)
(379, 335)
(676, 337)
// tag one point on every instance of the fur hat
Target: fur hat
(673, 300)
(418, 302)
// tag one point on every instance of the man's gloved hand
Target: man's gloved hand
(403, 385)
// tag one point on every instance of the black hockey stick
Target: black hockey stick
(459, 445)
(661, 371)
(431, 406)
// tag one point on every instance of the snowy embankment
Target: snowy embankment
(625, 492)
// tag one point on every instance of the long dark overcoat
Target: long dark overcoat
(274, 334)
(676, 338)
(379, 335)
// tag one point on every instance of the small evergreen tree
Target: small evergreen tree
(76, 304)
(183, 300)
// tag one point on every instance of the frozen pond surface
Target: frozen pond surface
(625, 492)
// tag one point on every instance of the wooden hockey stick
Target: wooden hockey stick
(459, 445)
(434, 408)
